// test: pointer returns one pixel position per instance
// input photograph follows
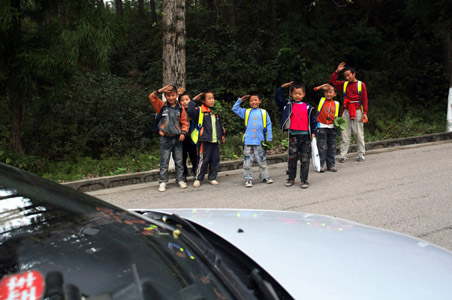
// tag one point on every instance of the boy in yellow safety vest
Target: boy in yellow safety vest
(258, 129)
(207, 135)
(355, 109)
(327, 111)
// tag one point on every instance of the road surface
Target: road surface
(405, 189)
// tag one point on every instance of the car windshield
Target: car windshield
(100, 249)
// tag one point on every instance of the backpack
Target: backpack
(195, 133)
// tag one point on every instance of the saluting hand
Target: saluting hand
(180, 90)
(197, 97)
(243, 98)
(164, 89)
(287, 84)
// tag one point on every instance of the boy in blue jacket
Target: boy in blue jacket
(258, 128)
(299, 118)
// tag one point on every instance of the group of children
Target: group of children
(188, 130)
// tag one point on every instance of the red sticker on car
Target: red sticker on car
(28, 285)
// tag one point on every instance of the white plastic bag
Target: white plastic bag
(315, 155)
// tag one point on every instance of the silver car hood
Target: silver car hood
(321, 257)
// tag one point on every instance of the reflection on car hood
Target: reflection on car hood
(321, 257)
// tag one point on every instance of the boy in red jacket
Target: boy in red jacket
(354, 109)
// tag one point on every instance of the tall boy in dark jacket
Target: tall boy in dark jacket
(299, 118)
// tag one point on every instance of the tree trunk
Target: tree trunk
(274, 14)
(153, 12)
(118, 4)
(62, 11)
(14, 90)
(174, 42)
(16, 116)
(141, 8)
(232, 13)
(211, 20)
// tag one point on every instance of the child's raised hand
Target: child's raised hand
(287, 84)
(197, 97)
(243, 98)
(340, 67)
(164, 89)
(323, 86)
(180, 90)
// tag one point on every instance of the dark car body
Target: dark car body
(84, 247)
(58, 243)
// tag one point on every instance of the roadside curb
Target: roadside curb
(94, 184)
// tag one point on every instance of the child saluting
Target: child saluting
(299, 118)
(210, 133)
(258, 129)
(172, 125)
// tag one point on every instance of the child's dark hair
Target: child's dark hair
(185, 94)
(297, 85)
(334, 88)
(351, 69)
(256, 93)
(203, 96)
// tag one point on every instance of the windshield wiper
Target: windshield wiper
(240, 291)
(208, 250)
(264, 286)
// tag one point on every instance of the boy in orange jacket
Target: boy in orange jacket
(172, 124)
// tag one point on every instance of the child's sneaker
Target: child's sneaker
(182, 185)
(304, 185)
(361, 158)
(342, 159)
(267, 180)
(322, 170)
(290, 182)
(197, 183)
(162, 187)
(214, 182)
(248, 183)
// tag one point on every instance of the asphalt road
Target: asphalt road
(405, 189)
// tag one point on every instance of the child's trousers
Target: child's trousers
(208, 156)
(189, 150)
(326, 142)
(170, 145)
(299, 149)
(356, 127)
(251, 153)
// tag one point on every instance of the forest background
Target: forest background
(75, 75)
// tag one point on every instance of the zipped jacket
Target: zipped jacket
(173, 120)
(254, 130)
(285, 105)
(205, 133)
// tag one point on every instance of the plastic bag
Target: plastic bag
(315, 155)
